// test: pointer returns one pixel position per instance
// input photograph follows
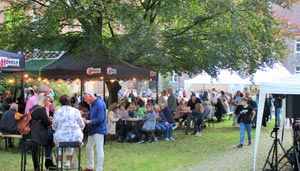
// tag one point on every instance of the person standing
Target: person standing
(39, 127)
(97, 128)
(247, 114)
(32, 101)
(171, 100)
(278, 106)
(163, 97)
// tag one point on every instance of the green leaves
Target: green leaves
(182, 36)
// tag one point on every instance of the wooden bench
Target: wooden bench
(209, 121)
(229, 114)
(6, 136)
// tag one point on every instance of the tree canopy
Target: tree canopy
(167, 35)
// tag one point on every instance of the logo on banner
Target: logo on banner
(152, 73)
(111, 71)
(6, 62)
(91, 71)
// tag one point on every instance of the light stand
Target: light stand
(293, 152)
(272, 159)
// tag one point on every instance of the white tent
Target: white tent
(286, 85)
(269, 74)
(226, 80)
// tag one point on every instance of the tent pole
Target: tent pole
(157, 84)
(15, 92)
(104, 99)
(81, 89)
(22, 96)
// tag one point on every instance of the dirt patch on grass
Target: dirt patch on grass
(241, 159)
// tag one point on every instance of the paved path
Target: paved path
(241, 159)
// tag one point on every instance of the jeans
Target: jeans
(278, 111)
(243, 127)
(98, 140)
(160, 127)
(190, 118)
(198, 123)
(49, 145)
(167, 129)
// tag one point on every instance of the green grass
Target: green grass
(185, 151)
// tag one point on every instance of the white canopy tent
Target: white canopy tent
(286, 85)
(269, 74)
(226, 80)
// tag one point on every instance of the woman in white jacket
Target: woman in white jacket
(112, 118)
(68, 126)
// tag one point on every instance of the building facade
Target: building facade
(289, 18)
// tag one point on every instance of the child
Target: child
(141, 109)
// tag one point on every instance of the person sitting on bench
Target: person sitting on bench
(68, 125)
(9, 125)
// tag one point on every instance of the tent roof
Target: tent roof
(11, 62)
(269, 74)
(68, 67)
(202, 78)
(286, 85)
(224, 77)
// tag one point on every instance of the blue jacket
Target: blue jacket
(97, 115)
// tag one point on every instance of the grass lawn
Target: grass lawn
(185, 151)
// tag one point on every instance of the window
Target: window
(174, 77)
(297, 70)
(297, 45)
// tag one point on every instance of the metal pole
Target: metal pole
(15, 92)
(81, 89)
(157, 84)
(104, 99)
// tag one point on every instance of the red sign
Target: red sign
(111, 71)
(5, 62)
(91, 71)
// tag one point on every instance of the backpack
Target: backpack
(23, 124)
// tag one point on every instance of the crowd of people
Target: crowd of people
(134, 118)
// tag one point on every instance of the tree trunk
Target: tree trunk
(113, 89)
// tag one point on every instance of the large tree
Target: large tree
(183, 35)
(166, 35)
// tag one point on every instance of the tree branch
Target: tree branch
(197, 20)
(40, 3)
(111, 29)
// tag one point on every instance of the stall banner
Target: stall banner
(6, 62)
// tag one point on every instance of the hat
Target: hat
(89, 93)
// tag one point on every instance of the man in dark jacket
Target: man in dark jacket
(167, 113)
(9, 125)
(7, 101)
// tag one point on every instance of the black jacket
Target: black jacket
(8, 122)
(192, 104)
(168, 114)
(6, 104)
(39, 125)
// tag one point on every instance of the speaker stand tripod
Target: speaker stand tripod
(272, 159)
